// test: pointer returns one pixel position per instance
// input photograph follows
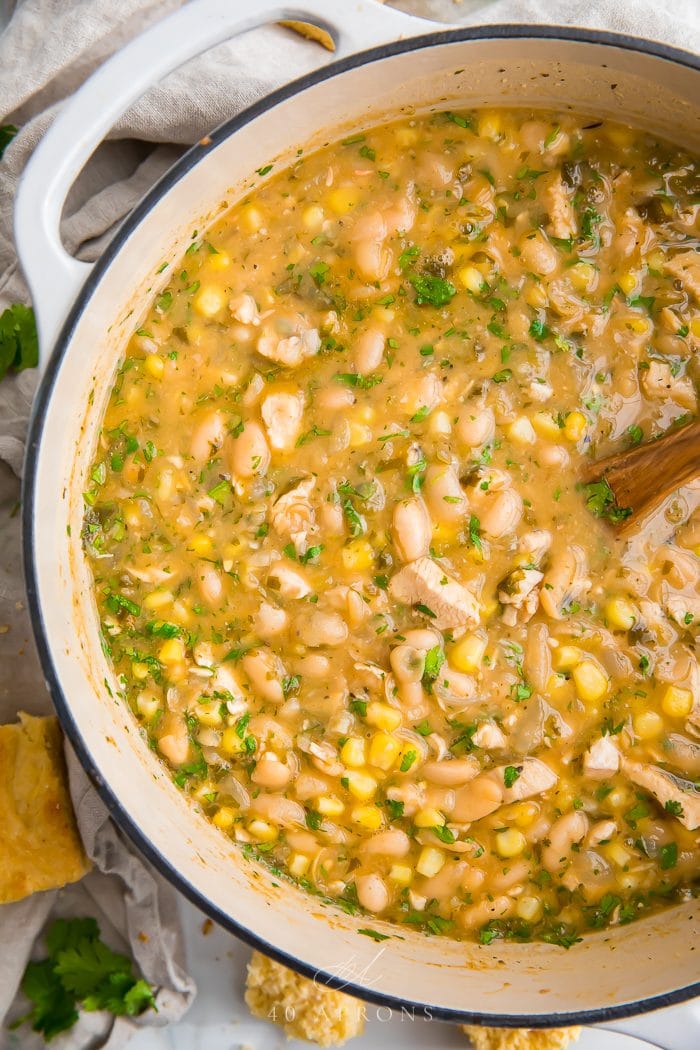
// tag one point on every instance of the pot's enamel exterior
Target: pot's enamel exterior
(613, 974)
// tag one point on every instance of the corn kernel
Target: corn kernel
(536, 296)
(312, 217)
(677, 702)
(252, 218)
(359, 435)
(224, 818)
(231, 743)
(384, 313)
(639, 325)
(621, 614)
(262, 830)
(329, 806)
(510, 843)
(546, 426)
(298, 865)
(617, 853)
(368, 817)
(401, 874)
(521, 431)
(590, 681)
(430, 861)
(365, 414)
(352, 752)
(406, 137)
(440, 424)
(529, 909)
(467, 654)
(695, 326)
(132, 514)
(383, 750)
(357, 555)
(655, 260)
(582, 276)
(382, 716)
(201, 545)
(209, 713)
(647, 725)
(471, 279)
(361, 786)
(147, 704)
(445, 532)
(344, 199)
(208, 301)
(157, 599)
(628, 282)
(575, 426)
(524, 813)
(155, 366)
(219, 260)
(172, 651)
(140, 671)
(490, 125)
(429, 818)
(565, 657)
(204, 792)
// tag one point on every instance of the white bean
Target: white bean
(407, 663)
(443, 493)
(390, 843)
(250, 453)
(475, 428)
(452, 773)
(372, 892)
(322, 628)
(174, 742)
(412, 529)
(564, 833)
(270, 772)
(210, 584)
(369, 351)
(207, 437)
(265, 672)
(269, 620)
(503, 512)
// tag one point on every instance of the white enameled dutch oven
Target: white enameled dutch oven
(85, 316)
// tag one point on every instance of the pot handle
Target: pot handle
(672, 1028)
(55, 277)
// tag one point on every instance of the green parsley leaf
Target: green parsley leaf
(265, 170)
(7, 133)
(503, 376)
(475, 532)
(444, 834)
(433, 290)
(319, 271)
(19, 346)
(395, 809)
(408, 256)
(434, 659)
(358, 707)
(421, 608)
(315, 431)
(673, 807)
(361, 382)
(510, 775)
(600, 500)
(374, 934)
(313, 819)
(407, 761)
(668, 856)
(635, 434)
(458, 119)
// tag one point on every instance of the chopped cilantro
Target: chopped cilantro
(436, 291)
(510, 775)
(600, 500)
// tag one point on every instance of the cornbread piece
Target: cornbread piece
(312, 32)
(39, 844)
(520, 1038)
(304, 1009)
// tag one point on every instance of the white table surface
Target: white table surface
(220, 1020)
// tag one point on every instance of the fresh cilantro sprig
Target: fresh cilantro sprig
(81, 972)
(600, 500)
(19, 347)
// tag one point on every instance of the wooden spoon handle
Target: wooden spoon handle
(643, 476)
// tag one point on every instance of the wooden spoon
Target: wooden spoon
(625, 487)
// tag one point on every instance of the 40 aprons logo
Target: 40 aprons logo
(348, 974)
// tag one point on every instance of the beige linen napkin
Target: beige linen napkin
(48, 49)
